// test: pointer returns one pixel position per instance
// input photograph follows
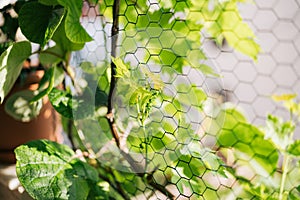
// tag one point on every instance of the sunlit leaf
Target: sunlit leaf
(62, 49)
(11, 63)
(247, 141)
(51, 171)
(283, 97)
(224, 21)
(74, 31)
(65, 44)
(122, 69)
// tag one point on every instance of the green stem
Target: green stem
(142, 124)
(285, 169)
(146, 148)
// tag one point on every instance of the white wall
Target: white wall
(276, 24)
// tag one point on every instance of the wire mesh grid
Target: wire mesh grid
(189, 142)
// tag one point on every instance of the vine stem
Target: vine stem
(285, 167)
(285, 164)
(113, 79)
(138, 169)
(146, 147)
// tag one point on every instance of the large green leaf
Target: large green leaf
(74, 31)
(224, 21)
(64, 42)
(49, 170)
(11, 63)
(247, 141)
(38, 22)
(61, 50)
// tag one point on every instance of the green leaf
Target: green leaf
(70, 106)
(9, 28)
(122, 69)
(294, 194)
(62, 102)
(190, 95)
(38, 22)
(61, 50)
(19, 106)
(211, 160)
(261, 190)
(64, 42)
(207, 70)
(224, 21)
(279, 131)
(74, 31)
(247, 141)
(11, 63)
(294, 148)
(202, 159)
(49, 170)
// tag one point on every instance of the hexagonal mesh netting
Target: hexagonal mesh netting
(172, 110)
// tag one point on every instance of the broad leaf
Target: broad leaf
(49, 170)
(11, 63)
(74, 31)
(38, 22)
(65, 44)
(224, 21)
(61, 50)
(247, 141)
(19, 106)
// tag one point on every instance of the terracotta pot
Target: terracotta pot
(14, 133)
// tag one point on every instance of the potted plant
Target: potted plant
(31, 65)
